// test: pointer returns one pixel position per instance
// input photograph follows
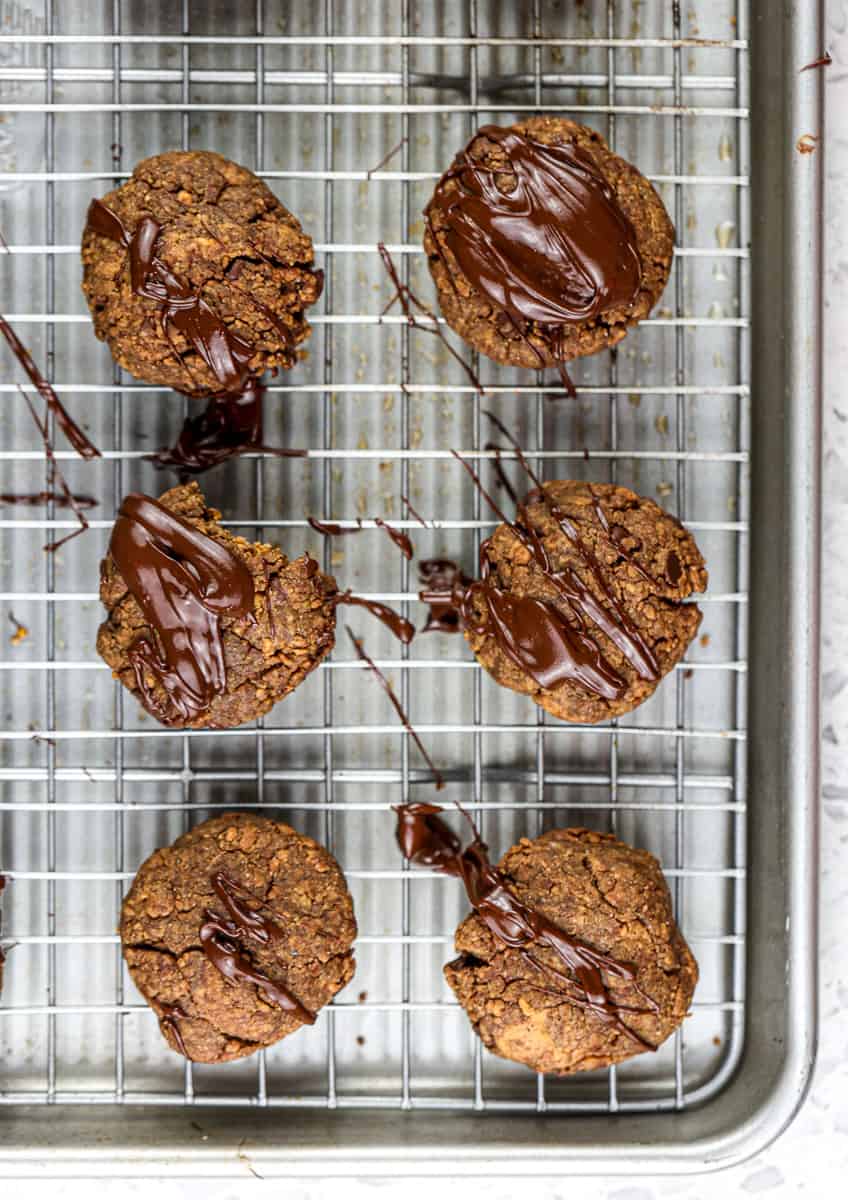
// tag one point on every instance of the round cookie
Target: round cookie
(573, 300)
(177, 920)
(609, 895)
(223, 239)
(616, 583)
(266, 653)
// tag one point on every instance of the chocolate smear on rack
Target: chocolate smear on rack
(396, 705)
(332, 529)
(413, 308)
(185, 583)
(2, 950)
(226, 354)
(424, 524)
(169, 1018)
(59, 499)
(220, 938)
(426, 840)
(230, 425)
(824, 61)
(83, 446)
(56, 479)
(387, 158)
(554, 246)
(402, 629)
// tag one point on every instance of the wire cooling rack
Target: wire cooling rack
(350, 112)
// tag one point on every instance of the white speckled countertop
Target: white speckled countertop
(812, 1156)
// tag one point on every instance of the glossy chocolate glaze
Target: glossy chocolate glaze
(184, 583)
(554, 248)
(426, 840)
(170, 1018)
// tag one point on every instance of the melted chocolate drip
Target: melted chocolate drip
(555, 248)
(169, 1019)
(69, 427)
(226, 354)
(566, 381)
(397, 536)
(411, 306)
(396, 705)
(425, 839)
(59, 499)
(824, 61)
(402, 629)
(230, 425)
(245, 910)
(444, 588)
(184, 583)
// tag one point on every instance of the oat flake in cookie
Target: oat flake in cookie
(544, 245)
(196, 275)
(206, 629)
(237, 934)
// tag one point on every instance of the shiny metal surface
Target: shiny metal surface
(716, 774)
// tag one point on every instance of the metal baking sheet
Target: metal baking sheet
(711, 407)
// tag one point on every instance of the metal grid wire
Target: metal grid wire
(89, 789)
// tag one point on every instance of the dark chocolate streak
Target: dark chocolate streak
(69, 427)
(426, 840)
(402, 629)
(396, 705)
(226, 354)
(59, 499)
(556, 248)
(169, 1019)
(443, 588)
(396, 536)
(411, 306)
(56, 478)
(244, 920)
(184, 583)
(229, 425)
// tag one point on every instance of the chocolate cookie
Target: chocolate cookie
(237, 934)
(580, 603)
(205, 628)
(544, 245)
(196, 275)
(633, 981)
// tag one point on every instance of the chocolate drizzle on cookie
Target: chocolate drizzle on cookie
(184, 583)
(169, 1018)
(226, 354)
(426, 840)
(541, 235)
(550, 641)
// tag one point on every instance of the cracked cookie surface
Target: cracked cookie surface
(292, 879)
(267, 653)
(641, 562)
(608, 894)
(226, 235)
(492, 331)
